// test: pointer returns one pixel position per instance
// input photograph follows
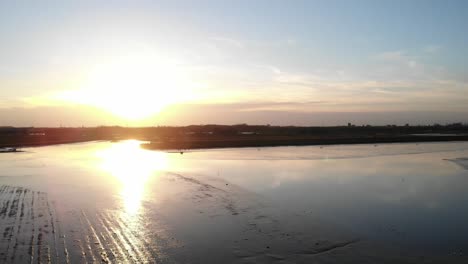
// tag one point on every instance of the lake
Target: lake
(115, 202)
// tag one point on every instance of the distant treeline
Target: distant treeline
(109, 131)
(32, 136)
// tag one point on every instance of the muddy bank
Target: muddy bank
(206, 136)
(462, 162)
(268, 141)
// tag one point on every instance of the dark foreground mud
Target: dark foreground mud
(30, 228)
(32, 232)
(219, 224)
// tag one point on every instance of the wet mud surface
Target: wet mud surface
(70, 209)
(33, 232)
(224, 226)
(210, 221)
(462, 162)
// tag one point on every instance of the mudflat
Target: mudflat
(119, 203)
(272, 141)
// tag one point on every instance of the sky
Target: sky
(145, 63)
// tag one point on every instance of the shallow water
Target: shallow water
(116, 202)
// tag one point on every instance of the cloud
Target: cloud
(228, 41)
(376, 111)
(415, 68)
(278, 106)
(391, 56)
(398, 57)
(431, 49)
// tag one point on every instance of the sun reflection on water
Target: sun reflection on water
(132, 167)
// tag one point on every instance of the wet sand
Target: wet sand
(182, 218)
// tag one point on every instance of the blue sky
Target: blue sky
(260, 57)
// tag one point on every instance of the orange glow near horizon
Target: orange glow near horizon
(133, 87)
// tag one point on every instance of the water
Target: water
(248, 204)
(402, 193)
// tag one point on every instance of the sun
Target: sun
(133, 87)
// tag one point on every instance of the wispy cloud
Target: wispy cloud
(399, 57)
(431, 49)
(228, 41)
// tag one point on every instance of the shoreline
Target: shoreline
(232, 136)
(20, 144)
(189, 144)
(253, 141)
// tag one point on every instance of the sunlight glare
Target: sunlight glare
(132, 166)
(134, 87)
